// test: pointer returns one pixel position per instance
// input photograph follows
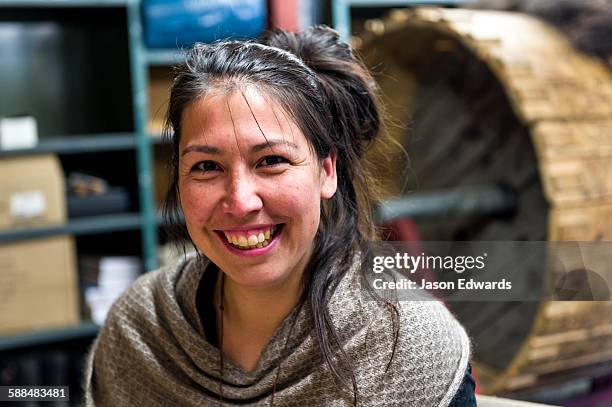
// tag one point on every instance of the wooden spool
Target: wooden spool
(484, 97)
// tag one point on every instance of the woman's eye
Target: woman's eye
(206, 166)
(272, 160)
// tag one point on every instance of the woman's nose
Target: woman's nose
(242, 197)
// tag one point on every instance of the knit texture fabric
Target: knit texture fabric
(152, 352)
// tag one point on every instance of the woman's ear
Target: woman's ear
(329, 179)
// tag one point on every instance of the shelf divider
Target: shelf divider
(83, 330)
(144, 150)
(77, 226)
(78, 144)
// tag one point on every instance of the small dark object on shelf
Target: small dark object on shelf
(89, 196)
(84, 185)
(114, 200)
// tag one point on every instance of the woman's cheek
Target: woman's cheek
(195, 201)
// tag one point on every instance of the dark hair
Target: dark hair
(318, 81)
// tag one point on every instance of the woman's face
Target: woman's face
(250, 187)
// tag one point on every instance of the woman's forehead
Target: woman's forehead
(246, 116)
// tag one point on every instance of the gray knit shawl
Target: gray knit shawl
(152, 352)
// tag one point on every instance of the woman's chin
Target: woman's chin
(258, 278)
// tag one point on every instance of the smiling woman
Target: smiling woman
(267, 173)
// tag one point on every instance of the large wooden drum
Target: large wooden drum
(498, 98)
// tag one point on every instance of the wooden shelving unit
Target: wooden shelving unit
(112, 145)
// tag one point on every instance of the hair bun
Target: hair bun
(349, 90)
(313, 45)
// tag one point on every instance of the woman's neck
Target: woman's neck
(250, 316)
(260, 309)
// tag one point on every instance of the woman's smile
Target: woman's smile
(252, 241)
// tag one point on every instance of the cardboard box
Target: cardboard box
(32, 192)
(38, 285)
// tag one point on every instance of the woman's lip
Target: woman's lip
(251, 252)
(247, 228)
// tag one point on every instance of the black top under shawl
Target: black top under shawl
(204, 303)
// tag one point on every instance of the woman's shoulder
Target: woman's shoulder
(430, 317)
(427, 325)
(433, 342)
(427, 347)
(420, 315)
(135, 327)
(140, 294)
(139, 303)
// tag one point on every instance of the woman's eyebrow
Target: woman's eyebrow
(271, 143)
(203, 148)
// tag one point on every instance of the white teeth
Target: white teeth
(262, 239)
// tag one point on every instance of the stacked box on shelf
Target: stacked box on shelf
(38, 286)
